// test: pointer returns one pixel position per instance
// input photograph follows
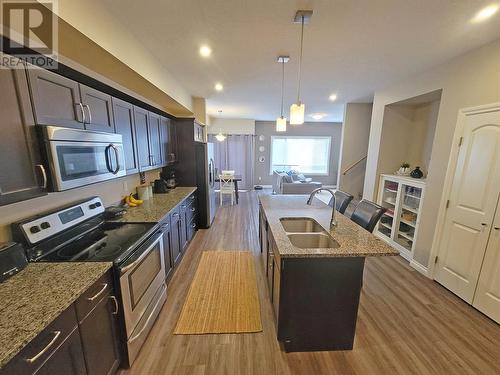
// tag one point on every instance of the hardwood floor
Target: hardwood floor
(407, 324)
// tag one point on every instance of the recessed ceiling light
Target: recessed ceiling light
(332, 97)
(219, 87)
(318, 116)
(205, 51)
(485, 13)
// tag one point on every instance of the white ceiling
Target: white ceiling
(352, 47)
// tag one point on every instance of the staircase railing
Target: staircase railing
(353, 165)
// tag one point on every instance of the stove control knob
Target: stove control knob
(45, 225)
(97, 204)
(92, 206)
(35, 229)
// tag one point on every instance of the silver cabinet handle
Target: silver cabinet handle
(44, 350)
(193, 225)
(104, 286)
(84, 118)
(113, 298)
(193, 209)
(44, 175)
(90, 113)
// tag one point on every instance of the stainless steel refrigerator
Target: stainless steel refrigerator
(205, 180)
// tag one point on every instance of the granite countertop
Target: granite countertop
(37, 295)
(154, 209)
(354, 241)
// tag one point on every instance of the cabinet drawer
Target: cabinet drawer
(91, 297)
(43, 346)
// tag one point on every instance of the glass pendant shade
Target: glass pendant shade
(281, 124)
(220, 137)
(297, 112)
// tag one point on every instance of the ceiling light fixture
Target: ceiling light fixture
(297, 110)
(220, 137)
(318, 116)
(205, 51)
(485, 13)
(219, 87)
(332, 97)
(281, 121)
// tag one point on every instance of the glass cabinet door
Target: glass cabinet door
(410, 205)
(389, 199)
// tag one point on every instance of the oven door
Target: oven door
(141, 275)
(75, 164)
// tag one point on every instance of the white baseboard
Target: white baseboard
(420, 268)
(265, 186)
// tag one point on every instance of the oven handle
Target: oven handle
(154, 240)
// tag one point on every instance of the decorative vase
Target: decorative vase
(417, 173)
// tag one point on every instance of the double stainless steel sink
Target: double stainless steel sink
(307, 233)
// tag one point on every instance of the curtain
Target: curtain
(236, 153)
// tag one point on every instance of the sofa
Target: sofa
(292, 183)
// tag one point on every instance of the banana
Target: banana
(136, 201)
(129, 202)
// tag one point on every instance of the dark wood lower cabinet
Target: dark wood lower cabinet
(67, 359)
(315, 300)
(99, 333)
(165, 227)
(176, 236)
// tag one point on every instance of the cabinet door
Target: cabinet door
(172, 143)
(167, 246)
(154, 139)
(124, 124)
(176, 237)
(23, 176)
(100, 337)
(141, 119)
(99, 110)
(56, 99)
(67, 359)
(276, 288)
(183, 225)
(164, 140)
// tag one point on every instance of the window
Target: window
(308, 155)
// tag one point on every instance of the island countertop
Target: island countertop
(155, 208)
(36, 296)
(354, 240)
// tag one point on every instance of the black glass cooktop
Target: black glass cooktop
(93, 241)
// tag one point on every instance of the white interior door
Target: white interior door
(473, 200)
(487, 296)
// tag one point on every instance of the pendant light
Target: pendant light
(281, 121)
(220, 137)
(297, 110)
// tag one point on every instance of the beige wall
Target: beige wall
(355, 135)
(111, 192)
(200, 110)
(231, 126)
(96, 22)
(469, 80)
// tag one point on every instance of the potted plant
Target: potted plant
(404, 169)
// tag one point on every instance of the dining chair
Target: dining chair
(226, 187)
(228, 172)
(367, 214)
(342, 200)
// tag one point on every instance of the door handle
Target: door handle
(90, 112)
(44, 175)
(483, 225)
(84, 118)
(496, 228)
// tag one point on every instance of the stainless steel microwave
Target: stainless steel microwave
(81, 157)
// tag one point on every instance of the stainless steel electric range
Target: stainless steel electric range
(79, 233)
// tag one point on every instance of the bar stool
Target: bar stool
(342, 200)
(367, 214)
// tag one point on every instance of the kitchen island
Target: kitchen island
(314, 272)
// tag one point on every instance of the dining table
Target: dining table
(236, 178)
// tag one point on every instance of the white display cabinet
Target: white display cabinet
(402, 196)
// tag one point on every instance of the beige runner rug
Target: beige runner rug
(223, 296)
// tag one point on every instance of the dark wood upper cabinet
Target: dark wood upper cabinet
(141, 119)
(98, 110)
(56, 99)
(164, 140)
(154, 140)
(172, 142)
(22, 175)
(99, 332)
(124, 125)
